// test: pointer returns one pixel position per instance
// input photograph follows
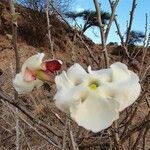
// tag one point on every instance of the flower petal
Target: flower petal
(104, 75)
(29, 75)
(95, 113)
(125, 85)
(62, 81)
(22, 86)
(119, 71)
(76, 73)
(65, 98)
(33, 62)
(126, 92)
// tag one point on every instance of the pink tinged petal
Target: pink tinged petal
(29, 75)
(95, 114)
(44, 76)
(21, 86)
(52, 65)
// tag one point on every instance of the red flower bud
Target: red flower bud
(52, 65)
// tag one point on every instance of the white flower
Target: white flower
(123, 83)
(94, 99)
(34, 71)
(22, 86)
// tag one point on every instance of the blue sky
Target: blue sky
(123, 10)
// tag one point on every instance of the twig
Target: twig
(34, 120)
(115, 136)
(134, 147)
(121, 38)
(91, 55)
(49, 29)
(119, 32)
(113, 6)
(146, 24)
(102, 33)
(14, 34)
(88, 49)
(144, 74)
(144, 53)
(34, 128)
(136, 128)
(130, 22)
(74, 144)
(132, 115)
(65, 134)
(144, 138)
(14, 41)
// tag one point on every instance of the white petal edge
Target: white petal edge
(22, 86)
(33, 62)
(119, 71)
(67, 97)
(62, 81)
(127, 92)
(76, 73)
(104, 75)
(95, 114)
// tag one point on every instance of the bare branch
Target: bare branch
(34, 120)
(88, 49)
(34, 128)
(74, 144)
(15, 46)
(118, 31)
(49, 30)
(144, 137)
(144, 53)
(65, 134)
(102, 33)
(14, 34)
(144, 124)
(113, 6)
(130, 22)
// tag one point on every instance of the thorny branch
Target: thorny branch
(136, 128)
(34, 120)
(130, 21)
(113, 6)
(78, 35)
(49, 29)
(144, 53)
(102, 33)
(34, 128)
(15, 46)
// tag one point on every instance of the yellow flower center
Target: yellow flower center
(94, 85)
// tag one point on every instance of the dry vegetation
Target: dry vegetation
(44, 127)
